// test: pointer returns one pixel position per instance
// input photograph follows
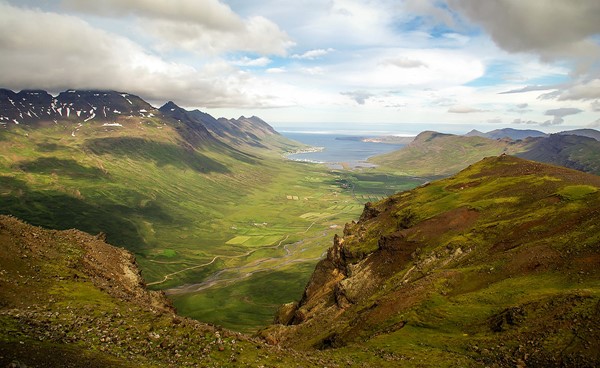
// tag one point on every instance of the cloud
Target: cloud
(595, 124)
(463, 110)
(405, 63)
(559, 29)
(201, 26)
(209, 13)
(33, 47)
(588, 90)
(596, 105)
(528, 89)
(313, 54)
(522, 106)
(246, 61)
(359, 96)
(526, 122)
(559, 115)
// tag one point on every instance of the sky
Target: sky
(399, 66)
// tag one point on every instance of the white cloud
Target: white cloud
(246, 61)
(464, 110)
(404, 62)
(313, 54)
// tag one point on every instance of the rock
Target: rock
(285, 313)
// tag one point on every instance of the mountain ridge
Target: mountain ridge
(434, 154)
(474, 269)
(507, 133)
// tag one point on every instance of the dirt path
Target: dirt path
(168, 276)
(240, 272)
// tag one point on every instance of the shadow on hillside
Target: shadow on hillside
(53, 165)
(50, 147)
(56, 210)
(161, 153)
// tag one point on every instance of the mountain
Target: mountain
(569, 150)
(37, 106)
(115, 109)
(434, 154)
(507, 133)
(68, 299)
(190, 204)
(495, 266)
(243, 131)
(591, 133)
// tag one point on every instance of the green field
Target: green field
(234, 217)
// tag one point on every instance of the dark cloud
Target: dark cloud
(202, 26)
(57, 52)
(551, 28)
(359, 96)
(559, 115)
(526, 122)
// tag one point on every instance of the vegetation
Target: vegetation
(495, 265)
(70, 300)
(200, 215)
(434, 154)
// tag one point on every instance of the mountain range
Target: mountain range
(115, 109)
(493, 265)
(434, 154)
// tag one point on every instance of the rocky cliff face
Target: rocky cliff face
(475, 268)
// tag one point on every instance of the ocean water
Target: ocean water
(352, 152)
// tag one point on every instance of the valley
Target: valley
(207, 218)
(223, 226)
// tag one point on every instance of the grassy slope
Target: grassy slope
(66, 302)
(577, 152)
(497, 264)
(188, 214)
(433, 154)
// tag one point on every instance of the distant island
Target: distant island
(386, 139)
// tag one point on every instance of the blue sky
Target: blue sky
(385, 65)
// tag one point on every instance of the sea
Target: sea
(338, 150)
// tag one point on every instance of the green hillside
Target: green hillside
(433, 154)
(71, 300)
(198, 212)
(495, 266)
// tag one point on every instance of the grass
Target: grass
(178, 208)
(250, 302)
(575, 192)
(489, 266)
